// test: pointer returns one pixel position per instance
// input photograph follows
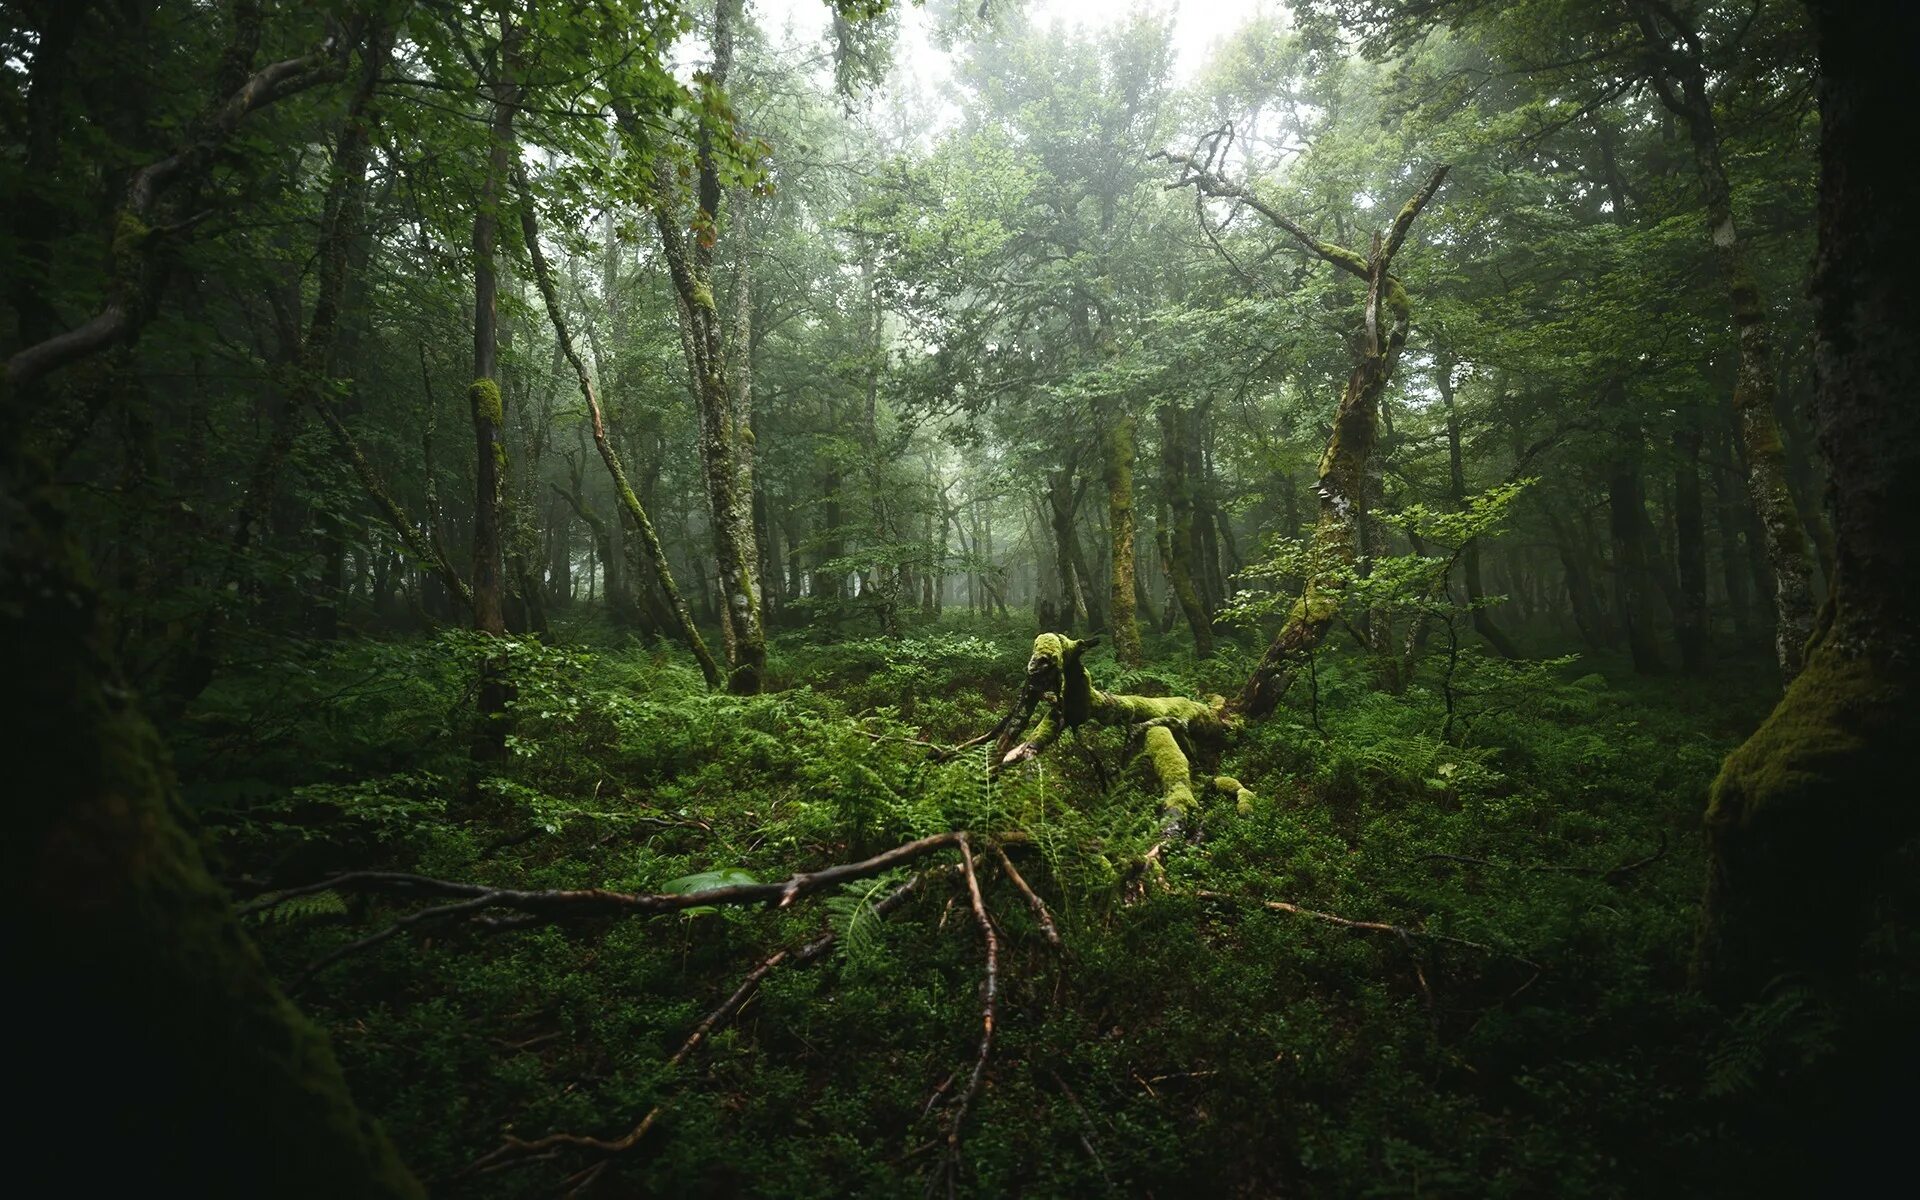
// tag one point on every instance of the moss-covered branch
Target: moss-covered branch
(1168, 725)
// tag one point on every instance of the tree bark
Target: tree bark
(1344, 464)
(485, 400)
(1690, 547)
(1811, 825)
(1177, 529)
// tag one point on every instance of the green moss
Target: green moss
(1059, 655)
(1243, 799)
(129, 232)
(1798, 817)
(484, 396)
(1169, 765)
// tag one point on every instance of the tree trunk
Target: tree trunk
(1811, 825)
(1483, 622)
(1177, 529)
(690, 265)
(1344, 464)
(484, 399)
(1633, 583)
(1060, 505)
(1690, 548)
(649, 540)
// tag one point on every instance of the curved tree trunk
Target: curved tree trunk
(1343, 466)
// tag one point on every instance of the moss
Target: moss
(1060, 655)
(1798, 819)
(1137, 709)
(129, 233)
(703, 297)
(1169, 765)
(127, 947)
(484, 396)
(1243, 799)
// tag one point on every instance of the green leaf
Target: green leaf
(707, 881)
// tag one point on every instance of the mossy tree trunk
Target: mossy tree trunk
(1680, 77)
(1345, 462)
(1063, 500)
(1171, 729)
(1176, 531)
(487, 406)
(118, 941)
(636, 512)
(1811, 826)
(1118, 475)
(688, 247)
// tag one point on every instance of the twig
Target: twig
(990, 997)
(1399, 931)
(1040, 911)
(1087, 1137)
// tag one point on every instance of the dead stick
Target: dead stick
(990, 996)
(1040, 911)
(1399, 931)
(560, 903)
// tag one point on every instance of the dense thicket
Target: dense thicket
(1426, 437)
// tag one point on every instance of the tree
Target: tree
(1808, 822)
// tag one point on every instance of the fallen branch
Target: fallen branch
(514, 1151)
(563, 903)
(1041, 913)
(990, 992)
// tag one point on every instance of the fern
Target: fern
(299, 910)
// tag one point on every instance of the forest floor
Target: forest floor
(1523, 1030)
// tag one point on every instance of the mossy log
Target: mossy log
(1169, 727)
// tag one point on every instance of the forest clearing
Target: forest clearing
(823, 598)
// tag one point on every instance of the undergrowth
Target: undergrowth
(1189, 1039)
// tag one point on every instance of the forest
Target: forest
(818, 598)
